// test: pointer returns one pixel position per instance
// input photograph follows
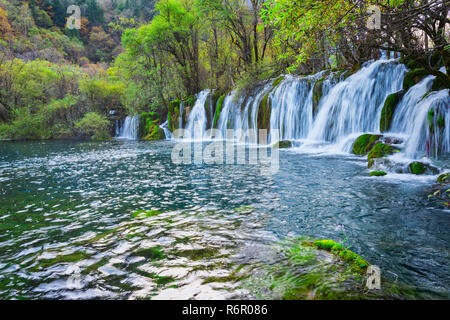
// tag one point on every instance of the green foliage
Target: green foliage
(388, 110)
(94, 126)
(364, 143)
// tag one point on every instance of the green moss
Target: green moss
(357, 263)
(190, 101)
(377, 173)
(277, 81)
(218, 111)
(388, 110)
(364, 143)
(142, 214)
(285, 144)
(444, 178)
(264, 111)
(380, 150)
(317, 95)
(417, 168)
(413, 77)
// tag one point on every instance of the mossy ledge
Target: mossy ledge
(364, 143)
(357, 263)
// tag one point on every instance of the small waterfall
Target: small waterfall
(196, 124)
(167, 132)
(180, 119)
(129, 129)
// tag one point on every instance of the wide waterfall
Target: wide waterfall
(326, 113)
(129, 129)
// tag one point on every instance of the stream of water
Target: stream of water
(69, 208)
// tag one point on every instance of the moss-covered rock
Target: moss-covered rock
(442, 81)
(149, 128)
(218, 110)
(357, 263)
(417, 167)
(377, 173)
(388, 110)
(379, 150)
(413, 77)
(264, 111)
(317, 95)
(284, 144)
(444, 178)
(364, 143)
(277, 81)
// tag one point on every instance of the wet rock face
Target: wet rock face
(388, 110)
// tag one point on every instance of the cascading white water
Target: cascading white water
(167, 132)
(196, 124)
(240, 112)
(292, 105)
(355, 105)
(130, 128)
(419, 141)
(347, 108)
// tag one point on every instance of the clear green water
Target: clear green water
(67, 207)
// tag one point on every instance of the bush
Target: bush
(93, 126)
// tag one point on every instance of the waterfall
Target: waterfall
(129, 129)
(292, 105)
(326, 112)
(196, 124)
(354, 105)
(180, 119)
(167, 132)
(240, 111)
